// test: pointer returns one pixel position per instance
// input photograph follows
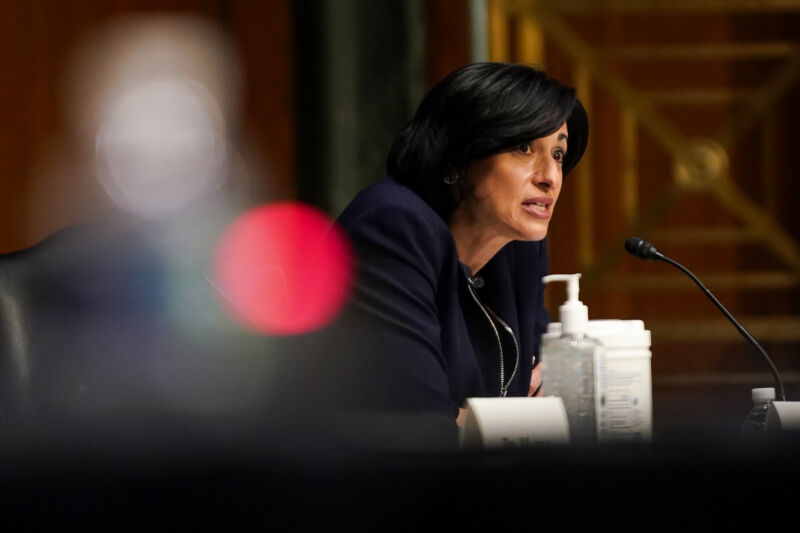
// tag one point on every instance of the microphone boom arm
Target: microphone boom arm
(739, 327)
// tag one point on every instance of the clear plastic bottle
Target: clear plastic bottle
(568, 365)
(568, 372)
(755, 423)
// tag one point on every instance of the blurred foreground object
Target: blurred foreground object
(156, 96)
(112, 330)
(160, 146)
(90, 350)
(152, 109)
(284, 268)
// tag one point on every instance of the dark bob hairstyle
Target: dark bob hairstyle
(475, 112)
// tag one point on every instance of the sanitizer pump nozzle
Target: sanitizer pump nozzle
(573, 314)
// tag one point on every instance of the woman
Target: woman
(451, 246)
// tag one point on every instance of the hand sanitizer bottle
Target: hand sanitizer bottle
(568, 365)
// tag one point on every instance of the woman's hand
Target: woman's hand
(536, 380)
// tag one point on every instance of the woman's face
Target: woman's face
(515, 191)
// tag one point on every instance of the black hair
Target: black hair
(475, 112)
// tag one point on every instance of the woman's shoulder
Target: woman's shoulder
(389, 220)
(388, 198)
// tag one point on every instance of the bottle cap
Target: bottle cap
(761, 395)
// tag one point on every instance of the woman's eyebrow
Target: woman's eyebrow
(563, 137)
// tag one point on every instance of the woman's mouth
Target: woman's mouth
(538, 207)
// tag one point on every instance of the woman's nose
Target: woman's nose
(547, 174)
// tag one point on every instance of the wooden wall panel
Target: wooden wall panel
(448, 38)
(263, 32)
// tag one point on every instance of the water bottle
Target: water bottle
(755, 424)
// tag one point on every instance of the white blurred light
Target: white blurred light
(160, 145)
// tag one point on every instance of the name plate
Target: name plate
(783, 417)
(497, 423)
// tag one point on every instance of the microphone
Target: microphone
(644, 250)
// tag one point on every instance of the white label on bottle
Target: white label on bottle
(600, 371)
(624, 409)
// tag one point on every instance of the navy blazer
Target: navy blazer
(430, 345)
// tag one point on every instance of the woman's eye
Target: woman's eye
(559, 155)
(524, 148)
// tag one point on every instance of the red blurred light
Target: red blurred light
(284, 268)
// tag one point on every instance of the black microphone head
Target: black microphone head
(642, 249)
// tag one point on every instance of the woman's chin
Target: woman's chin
(533, 234)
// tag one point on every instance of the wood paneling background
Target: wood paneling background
(659, 79)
